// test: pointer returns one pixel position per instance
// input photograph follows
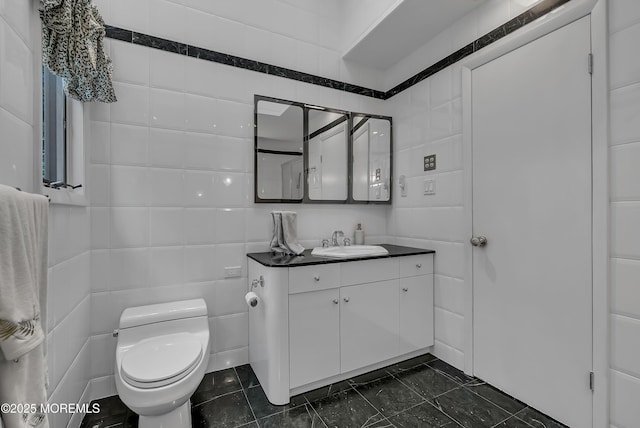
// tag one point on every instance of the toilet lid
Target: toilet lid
(161, 360)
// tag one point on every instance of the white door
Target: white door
(532, 283)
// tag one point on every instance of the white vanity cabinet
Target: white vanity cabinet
(342, 319)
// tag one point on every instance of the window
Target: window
(63, 125)
(54, 135)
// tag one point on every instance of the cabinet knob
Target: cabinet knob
(346, 300)
(336, 301)
(405, 289)
(419, 265)
(316, 278)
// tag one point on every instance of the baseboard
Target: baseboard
(76, 418)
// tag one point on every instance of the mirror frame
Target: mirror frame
(256, 149)
(305, 114)
(351, 159)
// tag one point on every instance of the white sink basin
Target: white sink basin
(350, 251)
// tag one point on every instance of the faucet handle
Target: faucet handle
(325, 243)
(347, 242)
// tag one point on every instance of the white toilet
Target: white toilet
(161, 358)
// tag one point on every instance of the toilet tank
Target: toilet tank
(162, 312)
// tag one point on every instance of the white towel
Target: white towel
(285, 233)
(23, 280)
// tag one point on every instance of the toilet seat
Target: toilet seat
(161, 361)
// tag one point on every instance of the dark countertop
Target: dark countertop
(272, 259)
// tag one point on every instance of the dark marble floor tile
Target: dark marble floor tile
(225, 411)
(379, 421)
(216, 384)
(409, 364)
(513, 422)
(112, 412)
(346, 409)
(452, 372)
(496, 396)
(426, 381)
(247, 377)
(327, 391)
(424, 416)
(469, 410)
(389, 396)
(250, 425)
(368, 377)
(261, 405)
(538, 420)
(298, 417)
(131, 421)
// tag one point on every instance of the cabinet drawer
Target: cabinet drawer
(369, 271)
(313, 278)
(416, 265)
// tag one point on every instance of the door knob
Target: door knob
(335, 301)
(346, 300)
(478, 241)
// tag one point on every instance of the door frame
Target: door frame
(560, 17)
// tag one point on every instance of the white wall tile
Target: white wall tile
(129, 144)
(166, 148)
(100, 270)
(232, 331)
(129, 186)
(16, 84)
(624, 68)
(100, 223)
(201, 113)
(129, 227)
(625, 174)
(229, 297)
(449, 328)
(200, 263)
(166, 70)
(201, 151)
(625, 116)
(129, 268)
(103, 354)
(230, 225)
(230, 189)
(199, 189)
(100, 140)
(625, 229)
(166, 226)
(167, 187)
(167, 266)
(625, 390)
(132, 106)
(625, 344)
(200, 226)
(130, 63)
(167, 109)
(625, 289)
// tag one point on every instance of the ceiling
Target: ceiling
(404, 28)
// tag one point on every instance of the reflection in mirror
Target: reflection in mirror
(279, 151)
(327, 173)
(371, 159)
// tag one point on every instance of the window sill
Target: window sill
(65, 197)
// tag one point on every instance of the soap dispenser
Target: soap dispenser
(359, 235)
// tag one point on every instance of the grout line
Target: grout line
(246, 397)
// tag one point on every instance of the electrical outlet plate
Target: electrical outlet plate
(430, 163)
(233, 272)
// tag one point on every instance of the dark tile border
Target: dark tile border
(509, 27)
(193, 51)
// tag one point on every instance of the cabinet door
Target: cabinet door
(368, 323)
(416, 313)
(314, 336)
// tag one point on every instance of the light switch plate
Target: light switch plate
(429, 187)
(233, 272)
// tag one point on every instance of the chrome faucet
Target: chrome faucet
(334, 237)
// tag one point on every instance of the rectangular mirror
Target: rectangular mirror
(327, 154)
(279, 144)
(371, 158)
(311, 154)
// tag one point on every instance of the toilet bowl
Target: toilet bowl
(161, 358)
